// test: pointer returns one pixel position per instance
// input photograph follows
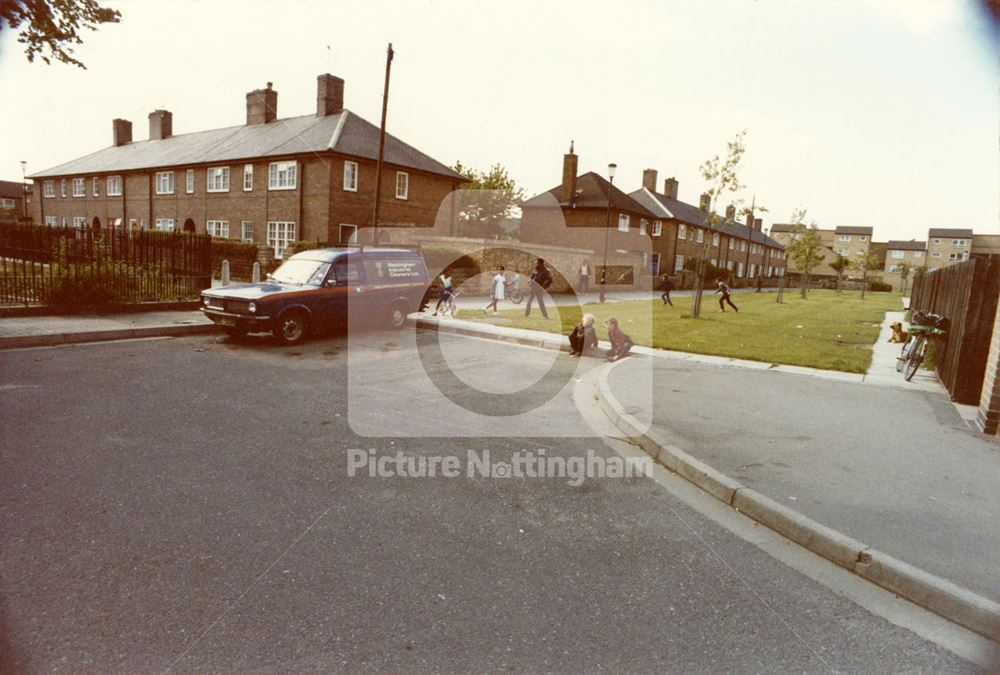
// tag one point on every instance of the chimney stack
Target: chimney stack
(329, 95)
(758, 223)
(262, 105)
(161, 125)
(731, 212)
(750, 220)
(670, 187)
(649, 179)
(121, 132)
(706, 201)
(568, 188)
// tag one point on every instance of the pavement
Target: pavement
(42, 331)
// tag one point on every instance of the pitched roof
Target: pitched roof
(592, 192)
(342, 132)
(911, 245)
(948, 232)
(10, 189)
(841, 229)
(783, 227)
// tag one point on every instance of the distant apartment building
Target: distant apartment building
(946, 246)
(269, 181)
(912, 254)
(15, 200)
(849, 242)
(783, 233)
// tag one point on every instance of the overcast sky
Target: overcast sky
(865, 113)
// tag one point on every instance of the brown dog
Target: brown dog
(898, 334)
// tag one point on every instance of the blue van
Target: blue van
(314, 290)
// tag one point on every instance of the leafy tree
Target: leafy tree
(720, 174)
(866, 264)
(51, 27)
(481, 214)
(840, 265)
(904, 273)
(806, 248)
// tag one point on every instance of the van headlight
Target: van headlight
(204, 300)
(252, 307)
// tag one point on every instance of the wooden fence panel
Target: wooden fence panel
(967, 294)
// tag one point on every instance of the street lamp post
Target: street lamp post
(24, 189)
(607, 228)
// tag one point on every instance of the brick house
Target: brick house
(899, 253)
(948, 245)
(742, 249)
(15, 200)
(270, 181)
(783, 233)
(581, 202)
(850, 242)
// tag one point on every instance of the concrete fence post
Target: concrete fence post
(225, 272)
(255, 278)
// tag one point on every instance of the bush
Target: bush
(241, 256)
(299, 246)
(879, 287)
(100, 281)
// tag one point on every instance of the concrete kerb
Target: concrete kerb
(931, 592)
(52, 339)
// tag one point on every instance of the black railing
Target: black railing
(49, 265)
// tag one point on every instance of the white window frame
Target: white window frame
(163, 224)
(678, 263)
(217, 228)
(743, 248)
(280, 233)
(49, 188)
(657, 228)
(217, 179)
(144, 223)
(700, 236)
(164, 183)
(65, 223)
(114, 186)
(843, 237)
(79, 222)
(624, 222)
(80, 187)
(51, 221)
(62, 189)
(643, 224)
(353, 230)
(6, 203)
(937, 241)
(864, 237)
(248, 177)
(936, 254)
(739, 269)
(402, 185)
(897, 255)
(918, 254)
(958, 243)
(732, 243)
(715, 239)
(96, 189)
(282, 176)
(682, 231)
(189, 182)
(350, 176)
(246, 231)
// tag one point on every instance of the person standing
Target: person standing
(541, 279)
(724, 289)
(621, 343)
(584, 277)
(666, 286)
(446, 291)
(496, 290)
(583, 337)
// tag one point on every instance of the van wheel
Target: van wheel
(292, 328)
(397, 316)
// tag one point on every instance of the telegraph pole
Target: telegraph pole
(381, 145)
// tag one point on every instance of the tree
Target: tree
(806, 248)
(51, 27)
(904, 273)
(481, 214)
(721, 177)
(866, 263)
(840, 265)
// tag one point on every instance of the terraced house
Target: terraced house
(269, 181)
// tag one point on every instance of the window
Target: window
(918, 254)
(62, 187)
(6, 203)
(348, 234)
(217, 228)
(164, 182)
(954, 256)
(79, 187)
(843, 251)
(894, 268)
(218, 179)
(739, 269)
(654, 264)
(752, 271)
(958, 242)
(936, 254)
(700, 234)
(114, 186)
(643, 223)
(402, 185)
(715, 239)
(279, 235)
(247, 231)
(679, 262)
(189, 181)
(79, 222)
(49, 188)
(247, 177)
(682, 231)
(163, 224)
(732, 244)
(863, 237)
(743, 248)
(281, 176)
(657, 228)
(936, 241)
(96, 188)
(144, 223)
(715, 262)
(897, 255)
(623, 222)
(729, 265)
(51, 221)
(844, 237)
(351, 176)
(64, 222)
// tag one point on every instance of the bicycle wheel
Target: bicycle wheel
(916, 358)
(904, 354)
(516, 296)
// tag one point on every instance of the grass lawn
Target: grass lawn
(828, 330)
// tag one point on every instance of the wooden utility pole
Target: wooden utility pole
(381, 145)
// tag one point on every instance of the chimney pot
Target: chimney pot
(706, 201)
(568, 188)
(758, 223)
(649, 179)
(262, 105)
(121, 131)
(670, 187)
(329, 95)
(731, 212)
(161, 125)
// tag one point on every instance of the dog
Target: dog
(898, 334)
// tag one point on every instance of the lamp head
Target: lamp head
(611, 170)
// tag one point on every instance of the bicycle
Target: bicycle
(924, 326)
(512, 291)
(448, 307)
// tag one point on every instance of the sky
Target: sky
(878, 113)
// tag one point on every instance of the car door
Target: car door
(341, 281)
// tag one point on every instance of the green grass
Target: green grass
(829, 330)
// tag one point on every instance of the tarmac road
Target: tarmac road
(185, 504)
